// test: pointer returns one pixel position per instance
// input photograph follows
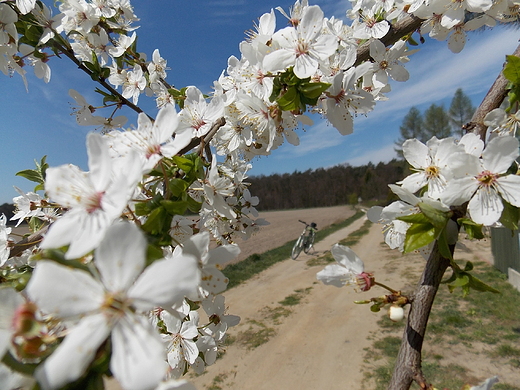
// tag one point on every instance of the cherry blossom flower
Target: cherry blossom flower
(502, 123)
(113, 302)
(94, 199)
(435, 164)
(370, 25)
(25, 6)
(27, 206)
(213, 280)
(10, 300)
(345, 98)
(487, 184)
(220, 321)
(152, 140)
(302, 47)
(181, 348)
(134, 84)
(197, 116)
(387, 62)
(349, 269)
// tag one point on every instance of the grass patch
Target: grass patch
(481, 325)
(295, 299)
(275, 314)
(327, 258)
(240, 272)
(257, 334)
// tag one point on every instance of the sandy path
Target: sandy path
(319, 345)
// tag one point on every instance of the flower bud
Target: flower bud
(396, 313)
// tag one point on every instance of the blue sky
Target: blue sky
(196, 38)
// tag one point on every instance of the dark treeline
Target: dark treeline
(323, 187)
(8, 210)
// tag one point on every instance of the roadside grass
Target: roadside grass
(240, 272)
(483, 327)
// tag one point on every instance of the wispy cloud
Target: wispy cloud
(319, 137)
(375, 156)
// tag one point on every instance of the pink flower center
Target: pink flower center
(302, 48)
(153, 149)
(94, 202)
(198, 123)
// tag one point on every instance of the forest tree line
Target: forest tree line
(324, 187)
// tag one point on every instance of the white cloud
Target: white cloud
(383, 154)
(318, 137)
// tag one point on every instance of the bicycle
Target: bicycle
(305, 241)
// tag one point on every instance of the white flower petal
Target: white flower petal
(121, 256)
(99, 161)
(64, 291)
(138, 354)
(166, 282)
(346, 257)
(335, 275)
(70, 360)
(509, 188)
(500, 153)
(485, 207)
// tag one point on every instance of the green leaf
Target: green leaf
(418, 235)
(438, 218)
(313, 90)
(414, 218)
(472, 229)
(510, 216)
(155, 221)
(153, 253)
(32, 175)
(290, 100)
(193, 205)
(177, 187)
(477, 284)
(175, 207)
(512, 69)
(141, 209)
(442, 244)
(184, 163)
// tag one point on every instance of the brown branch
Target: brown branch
(70, 55)
(28, 242)
(207, 138)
